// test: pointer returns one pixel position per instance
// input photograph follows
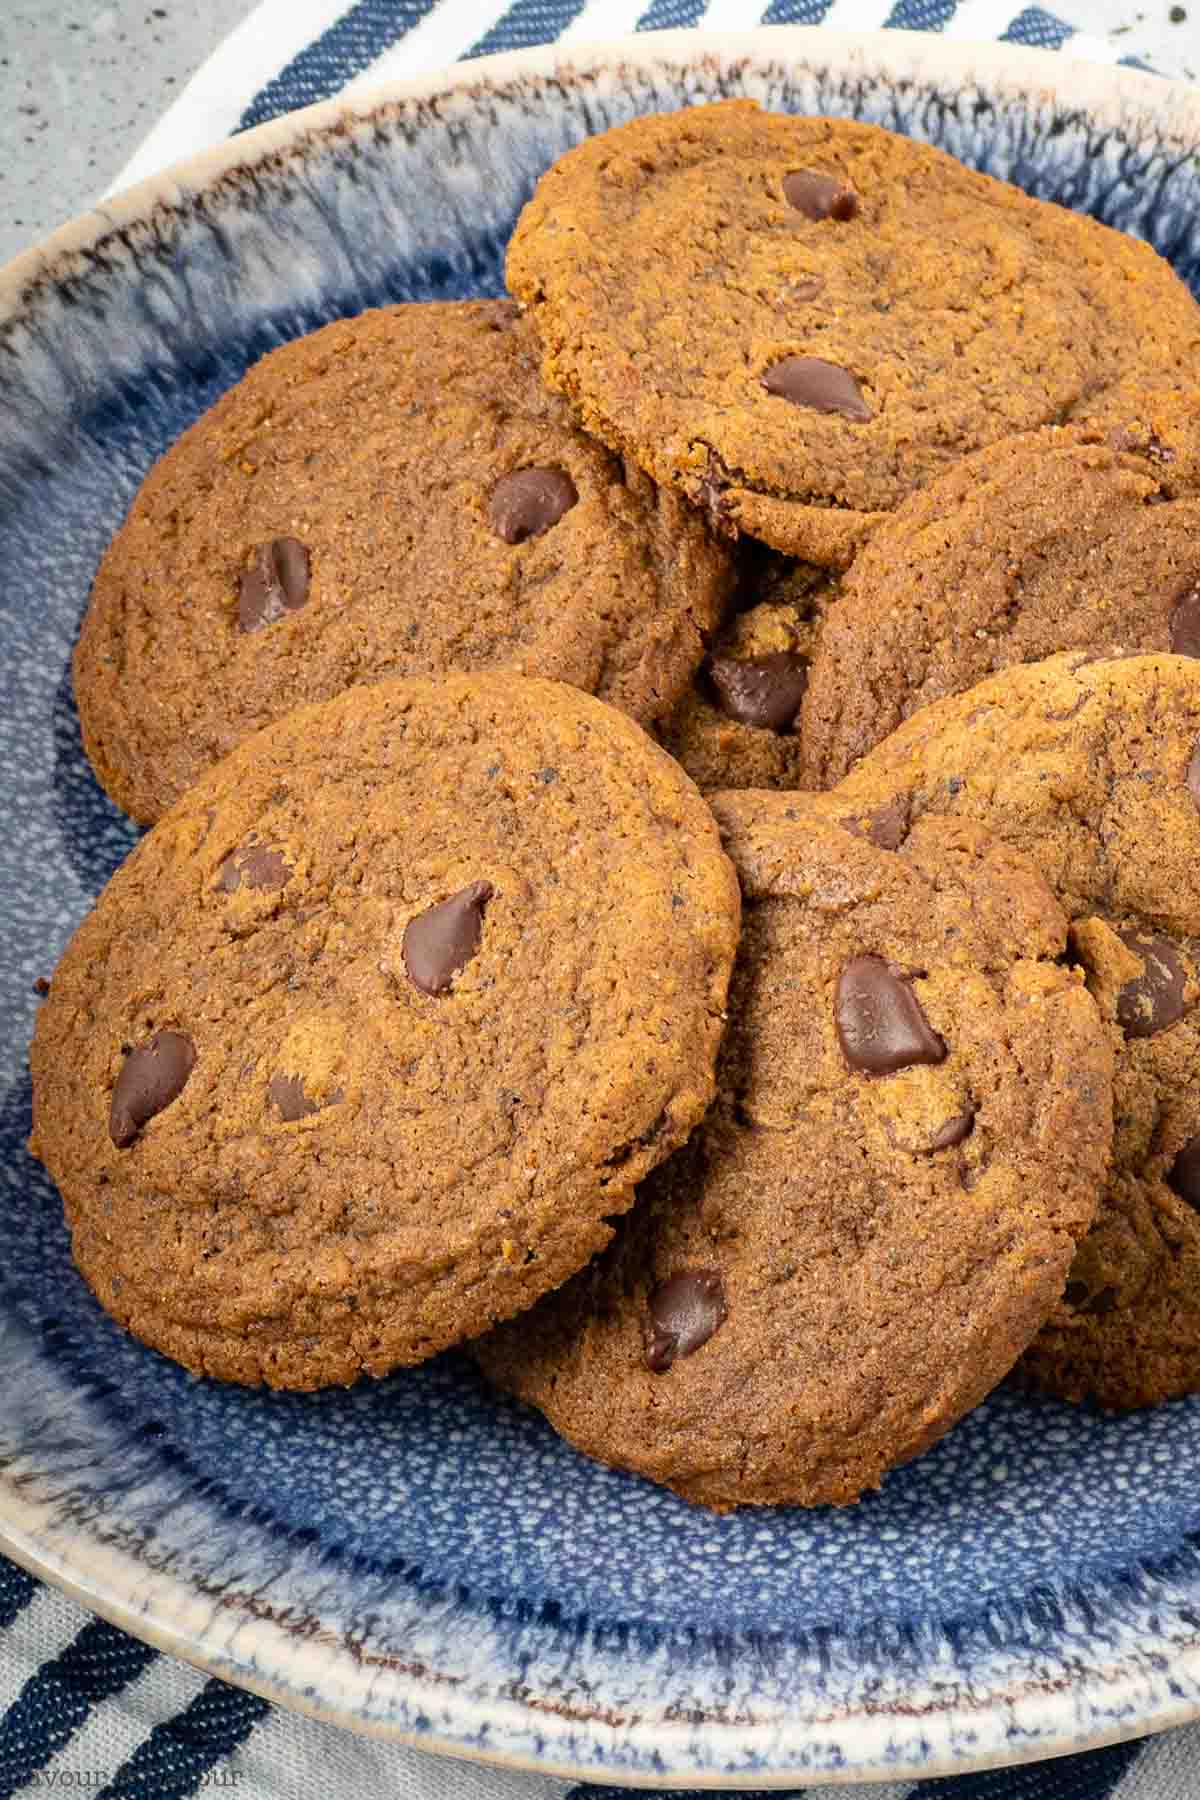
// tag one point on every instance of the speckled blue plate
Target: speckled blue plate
(416, 1557)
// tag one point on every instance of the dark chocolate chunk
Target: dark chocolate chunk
(1184, 1176)
(287, 1092)
(1185, 621)
(685, 1310)
(442, 939)
(826, 388)
(760, 690)
(257, 866)
(887, 827)
(530, 501)
(152, 1075)
(880, 1025)
(820, 196)
(276, 583)
(954, 1131)
(1154, 999)
(1076, 1292)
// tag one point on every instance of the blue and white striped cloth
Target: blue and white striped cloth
(83, 1707)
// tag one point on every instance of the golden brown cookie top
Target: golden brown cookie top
(913, 1116)
(377, 1028)
(396, 494)
(1093, 769)
(800, 321)
(1062, 539)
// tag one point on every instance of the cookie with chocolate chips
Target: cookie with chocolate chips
(373, 1034)
(1068, 538)
(1092, 768)
(738, 724)
(396, 494)
(799, 322)
(912, 1119)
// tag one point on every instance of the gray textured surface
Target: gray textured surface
(81, 84)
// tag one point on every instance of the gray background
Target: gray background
(82, 83)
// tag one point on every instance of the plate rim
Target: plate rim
(86, 1569)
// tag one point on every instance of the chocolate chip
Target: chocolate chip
(880, 1025)
(1154, 999)
(1184, 1176)
(152, 1075)
(807, 381)
(887, 827)
(1192, 778)
(277, 582)
(41, 987)
(442, 939)
(530, 501)
(1076, 1292)
(820, 196)
(760, 690)
(257, 866)
(287, 1092)
(1185, 622)
(684, 1312)
(953, 1131)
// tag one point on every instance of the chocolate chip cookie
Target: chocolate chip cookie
(738, 724)
(800, 321)
(1066, 538)
(1093, 769)
(912, 1119)
(394, 495)
(373, 1034)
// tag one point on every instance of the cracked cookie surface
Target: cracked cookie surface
(738, 723)
(1093, 769)
(801, 321)
(1063, 539)
(395, 494)
(912, 1117)
(376, 1030)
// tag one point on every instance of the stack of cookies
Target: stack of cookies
(676, 827)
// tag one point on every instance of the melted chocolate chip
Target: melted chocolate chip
(1154, 999)
(879, 1021)
(685, 1310)
(760, 690)
(953, 1131)
(287, 1092)
(257, 866)
(1076, 1292)
(530, 501)
(823, 386)
(444, 938)
(152, 1075)
(820, 196)
(1185, 622)
(276, 583)
(1184, 1176)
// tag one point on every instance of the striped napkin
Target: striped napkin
(85, 1708)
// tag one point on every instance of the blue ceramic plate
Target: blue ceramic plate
(416, 1557)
